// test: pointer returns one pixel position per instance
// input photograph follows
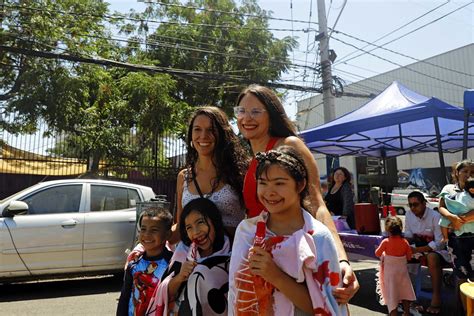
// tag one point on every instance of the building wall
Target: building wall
(451, 90)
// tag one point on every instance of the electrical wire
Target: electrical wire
(307, 40)
(401, 66)
(404, 55)
(342, 59)
(219, 26)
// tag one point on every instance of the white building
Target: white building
(445, 76)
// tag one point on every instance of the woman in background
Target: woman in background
(340, 197)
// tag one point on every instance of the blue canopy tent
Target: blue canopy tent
(398, 121)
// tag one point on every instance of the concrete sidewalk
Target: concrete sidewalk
(365, 302)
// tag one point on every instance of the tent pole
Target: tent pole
(464, 140)
(384, 186)
(440, 150)
(400, 134)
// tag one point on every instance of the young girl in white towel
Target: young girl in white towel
(283, 262)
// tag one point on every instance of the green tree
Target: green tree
(97, 109)
(32, 87)
(222, 39)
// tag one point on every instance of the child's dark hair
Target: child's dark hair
(290, 160)
(394, 225)
(469, 185)
(163, 215)
(210, 212)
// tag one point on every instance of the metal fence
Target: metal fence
(28, 159)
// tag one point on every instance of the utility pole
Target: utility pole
(328, 96)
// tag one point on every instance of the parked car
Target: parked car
(399, 200)
(68, 227)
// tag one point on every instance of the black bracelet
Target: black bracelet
(344, 260)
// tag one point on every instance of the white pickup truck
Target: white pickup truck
(399, 200)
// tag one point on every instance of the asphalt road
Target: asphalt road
(98, 296)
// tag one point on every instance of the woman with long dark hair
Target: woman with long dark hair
(262, 120)
(215, 166)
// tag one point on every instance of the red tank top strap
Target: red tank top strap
(252, 204)
(271, 143)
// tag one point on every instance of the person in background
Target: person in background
(340, 197)
(263, 122)
(460, 238)
(197, 279)
(284, 262)
(423, 232)
(215, 167)
(324, 188)
(461, 172)
(394, 284)
(144, 272)
(459, 204)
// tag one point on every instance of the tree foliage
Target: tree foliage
(216, 37)
(98, 107)
(94, 107)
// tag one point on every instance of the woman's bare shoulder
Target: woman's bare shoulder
(291, 141)
(182, 175)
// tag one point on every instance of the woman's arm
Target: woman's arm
(321, 213)
(347, 199)
(456, 221)
(175, 238)
(262, 264)
(468, 217)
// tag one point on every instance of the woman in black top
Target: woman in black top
(340, 197)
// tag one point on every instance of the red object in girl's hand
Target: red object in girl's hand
(194, 250)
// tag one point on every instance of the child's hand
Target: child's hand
(186, 269)
(261, 263)
(456, 221)
(350, 284)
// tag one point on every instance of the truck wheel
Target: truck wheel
(400, 211)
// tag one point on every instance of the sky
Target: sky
(428, 34)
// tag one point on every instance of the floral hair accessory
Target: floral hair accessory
(292, 163)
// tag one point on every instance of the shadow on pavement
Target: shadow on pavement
(366, 296)
(59, 288)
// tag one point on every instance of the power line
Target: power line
(342, 59)
(153, 69)
(401, 66)
(121, 17)
(307, 40)
(404, 55)
(188, 48)
(227, 12)
(227, 26)
(210, 25)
